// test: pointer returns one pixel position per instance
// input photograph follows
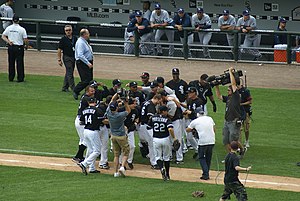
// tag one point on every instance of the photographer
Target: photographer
(232, 125)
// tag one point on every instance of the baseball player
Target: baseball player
(227, 22)
(134, 93)
(116, 87)
(146, 10)
(246, 24)
(7, 11)
(162, 128)
(147, 111)
(161, 84)
(201, 21)
(129, 38)
(91, 118)
(145, 76)
(160, 18)
(90, 91)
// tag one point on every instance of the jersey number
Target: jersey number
(159, 127)
(88, 119)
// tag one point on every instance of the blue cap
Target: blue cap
(283, 20)
(225, 12)
(113, 106)
(180, 10)
(138, 13)
(157, 6)
(246, 12)
(200, 10)
(199, 110)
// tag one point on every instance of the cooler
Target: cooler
(298, 56)
(280, 53)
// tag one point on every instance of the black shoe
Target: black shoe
(130, 165)
(95, 171)
(76, 160)
(179, 162)
(83, 168)
(195, 155)
(20, 80)
(204, 178)
(65, 90)
(155, 167)
(168, 177)
(298, 164)
(75, 95)
(163, 174)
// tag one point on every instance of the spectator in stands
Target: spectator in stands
(146, 10)
(246, 24)
(181, 20)
(129, 38)
(160, 18)
(281, 38)
(201, 21)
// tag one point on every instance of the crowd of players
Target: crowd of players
(175, 104)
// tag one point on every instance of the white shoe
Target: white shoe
(223, 161)
(116, 174)
(247, 145)
(122, 171)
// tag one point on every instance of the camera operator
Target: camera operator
(232, 125)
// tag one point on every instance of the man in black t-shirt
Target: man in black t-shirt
(231, 180)
(162, 128)
(67, 46)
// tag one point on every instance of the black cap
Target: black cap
(91, 99)
(192, 90)
(175, 71)
(163, 108)
(246, 12)
(204, 76)
(132, 84)
(180, 10)
(200, 10)
(145, 75)
(15, 18)
(93, 83)
(283, 20)
(154, 84)
(160, 80)
(131, 100)
(116, 82)
(138, 14)
(225, 12)
(157, 6)
(113, 106)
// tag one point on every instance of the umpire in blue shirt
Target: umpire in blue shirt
(84, 62)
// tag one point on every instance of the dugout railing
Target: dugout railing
(112, 43)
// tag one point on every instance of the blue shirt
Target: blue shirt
(116, 122)
(83, 51)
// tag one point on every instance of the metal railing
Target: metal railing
(235, 50)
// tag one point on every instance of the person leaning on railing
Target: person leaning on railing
(281, 38)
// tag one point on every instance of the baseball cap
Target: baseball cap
(163, 108)
(15, 18)
(132, 15)
(91, 100)
(175, 71)
(145, 75)
(199, 110)
(160, 80)
(180, 10)
(246, 12)
(192, 90)
(200, 10)
(204, 76)
(154, 84)
(132, 84)
(138, 13)
(116, 82)
(131, 100)
(157, 6)
(283, 20)
(225, 12)
(93, 83)
(113, 106)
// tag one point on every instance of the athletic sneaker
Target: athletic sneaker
(163, 174)
(122, 171)
(155, 167)
(179, 162)
(130, 165)
(104, 166)
(76, 160)
(95, 171)
(116, 174)
(247, 145)
(83, 168)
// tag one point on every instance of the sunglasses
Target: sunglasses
(68, 30)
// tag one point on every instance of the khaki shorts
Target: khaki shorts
(246, 123)
(120, 145)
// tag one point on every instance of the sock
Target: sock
(160, 164)
(80, 152)
(167, 166)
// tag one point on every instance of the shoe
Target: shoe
(116, 174)
(163, 174)
(83, 168)
(179, 162)
(122, 171)
(195, 155)
(223, 161)
(242, 153)
(65, 90)
(204, 178)
(168, 177)
(155, 167)
(20, 81)
(185, 150)
(298, 164)
(190, 147)
(104, 166)
(130, 165)
(76, 160)
(159, 54)
(75, 95)
(95, 171)
(247, 145)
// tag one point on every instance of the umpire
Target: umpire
(15, 36)
(84, 61)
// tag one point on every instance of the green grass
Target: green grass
(35, 184)
(36, 116)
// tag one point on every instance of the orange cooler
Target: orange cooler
(298, 57)
(280, 53)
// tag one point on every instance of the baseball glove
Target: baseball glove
(198, 194)
(176, 145)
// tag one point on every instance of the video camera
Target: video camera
(224, 78)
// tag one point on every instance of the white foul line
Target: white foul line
(36, 152)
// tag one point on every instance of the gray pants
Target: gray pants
(146, 49)
(69, 76)
(170, 35)
(189, 42)
(252, 41)
(204, 39)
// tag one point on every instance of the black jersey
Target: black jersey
(203, 91)
(101, 94)
(138, 96)
(160, 125)
(82, 104)
(92, 118)
(233, 109)
(231, 174)
(148, 109)
(179, 87)
(192, 105)
(131, 119)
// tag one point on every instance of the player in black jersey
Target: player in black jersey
(91, 118)
(99, 94)
(133, 92)
(148, 110)
(90, 91)
(204, 91)
(178, 85)
(162, 128)
(116, 87)
(145, 79)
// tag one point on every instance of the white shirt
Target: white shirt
(160, 19)
(205, 128)
(6, 11)
(147, 14)
(16, 34)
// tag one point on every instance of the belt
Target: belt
(17, 45)
(91, 129)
